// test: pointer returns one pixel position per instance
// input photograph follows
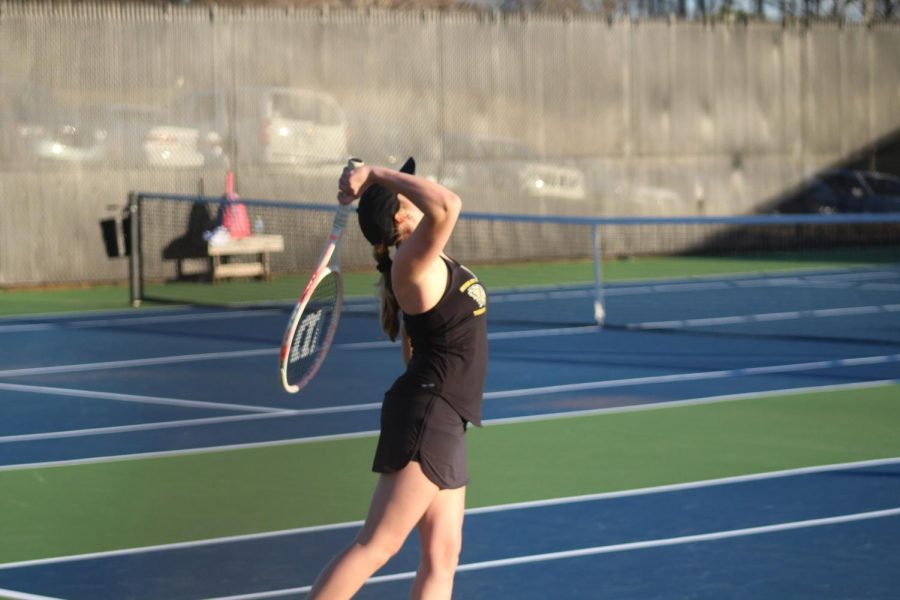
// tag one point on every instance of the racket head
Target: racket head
(311, 330)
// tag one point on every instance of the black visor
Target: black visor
(377, 207)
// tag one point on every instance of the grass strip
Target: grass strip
(64, 510)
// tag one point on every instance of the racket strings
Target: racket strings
(311, 335)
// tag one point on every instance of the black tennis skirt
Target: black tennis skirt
(426, 429)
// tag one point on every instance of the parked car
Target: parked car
(24, 116)
(71, 135)
(291, 126)
(846, 191)
(502, 163)
(389, 141)
(186, 134)
(472, 165)
(128, 127)
(260, 125)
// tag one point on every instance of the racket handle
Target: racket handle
(344, 210)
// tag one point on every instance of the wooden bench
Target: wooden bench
(260, 245)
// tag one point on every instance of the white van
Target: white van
(290, 126)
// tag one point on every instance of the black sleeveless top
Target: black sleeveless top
(449, 343)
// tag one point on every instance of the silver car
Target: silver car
(35, 127)
(255, 125)
(502, 163)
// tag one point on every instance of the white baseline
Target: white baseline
(499, 508)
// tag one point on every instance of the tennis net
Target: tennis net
(769, 274)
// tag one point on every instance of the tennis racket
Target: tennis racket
(315, 317)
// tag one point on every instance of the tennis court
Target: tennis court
(721, 436)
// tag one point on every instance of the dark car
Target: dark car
(846, 191)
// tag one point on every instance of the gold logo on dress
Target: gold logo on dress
(477, 293)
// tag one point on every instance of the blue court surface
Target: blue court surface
(94, 388)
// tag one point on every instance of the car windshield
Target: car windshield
(843, 184)
(884, 186)
(304, 108)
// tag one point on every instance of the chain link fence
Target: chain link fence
(519, 114)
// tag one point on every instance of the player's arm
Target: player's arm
(439, 205)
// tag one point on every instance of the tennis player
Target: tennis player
(421, 453)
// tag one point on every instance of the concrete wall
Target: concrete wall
(629, 118)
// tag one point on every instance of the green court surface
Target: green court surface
(81, 508)
(111, 297)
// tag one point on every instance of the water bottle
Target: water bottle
(258, 225)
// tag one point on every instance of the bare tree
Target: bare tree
(848, 10)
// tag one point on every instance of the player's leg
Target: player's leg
(440, 534)
(398, 503)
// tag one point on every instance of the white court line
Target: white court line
(37, 389)
(766, 317)
(690, 485)
(858, 275)
(489, 395)
(187, 452)
(699, 284)
(27, 327)
(131, 321)
(162, 360)
(609, 549)
(515, 295)
(815, 280)
(498, 335)
(657, 543)
(515, 335)
(697, 376)
(502, 335)
(497, 508)
(70, 433)
(266, 412)
(658, 405)
(137, 362)
(14, 595)
(377, 405)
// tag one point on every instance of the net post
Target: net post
(599, 309)
(135, 276)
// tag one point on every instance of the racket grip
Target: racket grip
(344, 210)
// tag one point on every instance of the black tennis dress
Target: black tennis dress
(426, 410)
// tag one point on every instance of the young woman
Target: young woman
(421, 452)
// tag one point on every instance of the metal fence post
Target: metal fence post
(135, 279)
(599, 308)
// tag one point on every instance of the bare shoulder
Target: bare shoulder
(420, 292)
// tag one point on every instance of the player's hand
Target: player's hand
(353, 183)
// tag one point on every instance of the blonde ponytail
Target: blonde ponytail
(390, 317)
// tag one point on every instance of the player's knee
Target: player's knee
(442, 555)
(381, 549)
